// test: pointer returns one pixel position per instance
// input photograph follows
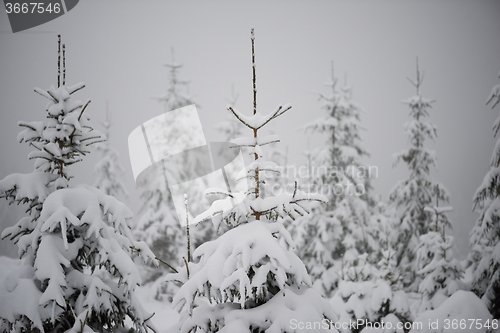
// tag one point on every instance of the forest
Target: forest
(243, 238)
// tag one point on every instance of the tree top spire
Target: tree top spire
(419, 79)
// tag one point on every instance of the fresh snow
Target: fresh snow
(461, 306)
(281, 314)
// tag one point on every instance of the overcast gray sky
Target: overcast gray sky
(117, 49)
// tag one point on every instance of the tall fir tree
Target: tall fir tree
(413, 194)
(484, 256)
(337, 170)
(72, 235)
(246, 280)
(177, 94)
(439, 271)
(158, 224)
(371, 291)
(108, 171)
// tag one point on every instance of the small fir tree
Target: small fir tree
(412, 195)
(246, 280)
(373, 292)
(108, 171)
(158, 224)
(72, 235)
(440, 273)
(177, 94)
(484, 256)
(337, 170)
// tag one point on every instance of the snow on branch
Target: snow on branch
(74, 88)
(45, 94)
(489, 186)
(224, 265)
(248, 141)
(284, 205)
(31, 186)
(438, 210)
(289, 305)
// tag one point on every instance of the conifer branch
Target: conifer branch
(79, 87)
(187, 266)
(75, 108)
(83, 109)
(53, 97)
(43, 93)
(167, 264)
(27, 125)
(279, 111)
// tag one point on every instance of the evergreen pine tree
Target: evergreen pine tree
(158, 224)
(485, 235)
(177, 94)
(72, 235)
(373, 291)
(326, 235)
(412, 195)
(246, 280)
(385, 217)
(440, 273)
(108, 170)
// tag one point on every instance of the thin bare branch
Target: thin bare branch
(168, 265)
(83, 109)
(238, 117)
(187, 266)
(53, 97)
(42, 93)
(276, 114)
(79, 88)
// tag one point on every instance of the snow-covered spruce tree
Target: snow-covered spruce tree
(70, 235)
(337, 171)
(158, 224)
(108, 170)
(440, 273)
(485, 235)
(177, 94)
(372, 291)
(343, 149)
(385, 217)
(416, 192)
(246, 281)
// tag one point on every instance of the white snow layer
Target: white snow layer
(460, 307)
(225, 264)
(281, 314)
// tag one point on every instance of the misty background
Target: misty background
(118, 48)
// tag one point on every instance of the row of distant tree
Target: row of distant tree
(401, 245)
